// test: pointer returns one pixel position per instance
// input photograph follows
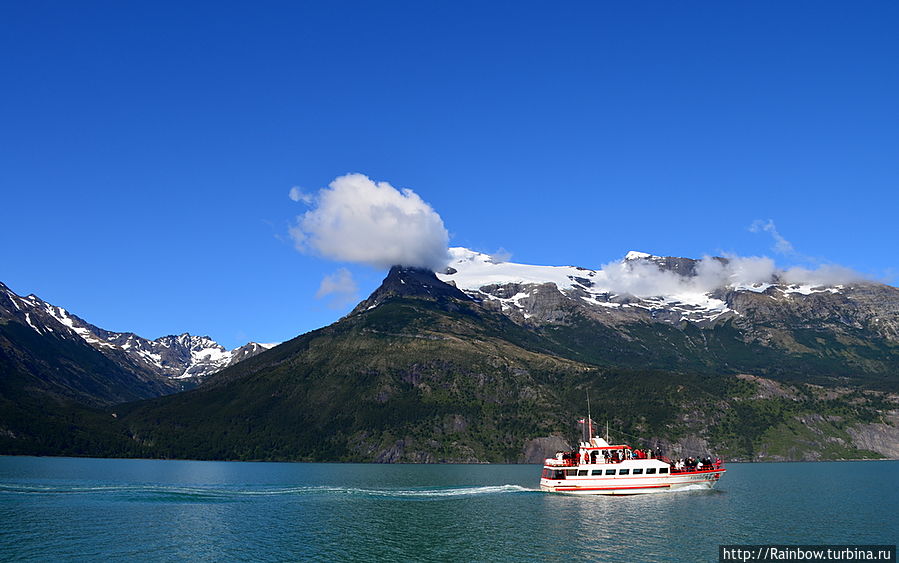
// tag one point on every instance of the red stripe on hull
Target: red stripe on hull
(611, 488)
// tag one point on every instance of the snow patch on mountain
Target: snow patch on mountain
(634, 255)
(475, 270)
(72, 324)
(182, 356)
(666, 288)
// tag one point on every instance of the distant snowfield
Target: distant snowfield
(475, 270)
(639, 280)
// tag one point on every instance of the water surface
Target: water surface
(87, 509)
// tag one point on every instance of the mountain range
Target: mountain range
(485, 361)
(164, 365)
(827, 333)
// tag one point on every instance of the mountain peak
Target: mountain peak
(637, 255)
(409, 281)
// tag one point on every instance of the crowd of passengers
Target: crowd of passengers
(697, 464)
(608, 456)
(617, 456)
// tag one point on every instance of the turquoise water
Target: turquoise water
(89, 509)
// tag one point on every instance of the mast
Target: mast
(589, 420)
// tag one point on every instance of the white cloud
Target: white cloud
(501, 255)
(781, 245)
(357, 220)
(643, 278)
(340, 287)
(296, 194)
(827, 274)
(712, 273)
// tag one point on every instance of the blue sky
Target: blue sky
(147, 150)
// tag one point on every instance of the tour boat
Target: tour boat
(598, 468)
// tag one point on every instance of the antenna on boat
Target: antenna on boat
(589, 420)
(607, 430)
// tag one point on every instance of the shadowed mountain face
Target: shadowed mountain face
(39, 353)
(71, 358)
(57, 370)
(402, 281)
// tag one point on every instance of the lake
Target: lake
(90, 509)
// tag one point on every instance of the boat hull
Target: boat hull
(632, 485)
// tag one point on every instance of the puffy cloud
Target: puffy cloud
(713, 273)
(357, 220)
(643, 278)
(749, 270)
(340, 287)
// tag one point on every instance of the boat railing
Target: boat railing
(555, 462)
(713, 467)
(570, 462)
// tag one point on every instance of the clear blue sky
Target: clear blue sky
(147, 149)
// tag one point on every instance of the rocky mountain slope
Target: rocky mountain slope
(710, 314)
(57, 371)
(421, 372)
(44, 355)
(495, 365)
(174, 362)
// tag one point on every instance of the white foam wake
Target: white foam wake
(244, 491)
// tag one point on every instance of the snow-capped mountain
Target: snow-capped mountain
(644, 287)
(185, 359)
(183, 356)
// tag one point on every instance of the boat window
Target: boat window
(571, 472)
(624, 471)
(610, 471)
(559, 474)
(582, 472)
(663, 470)
(650, 470)
(638, 471)
(597, 472)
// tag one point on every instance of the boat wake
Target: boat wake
(691, 487)
(236, 493)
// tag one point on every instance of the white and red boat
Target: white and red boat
(599, 468)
